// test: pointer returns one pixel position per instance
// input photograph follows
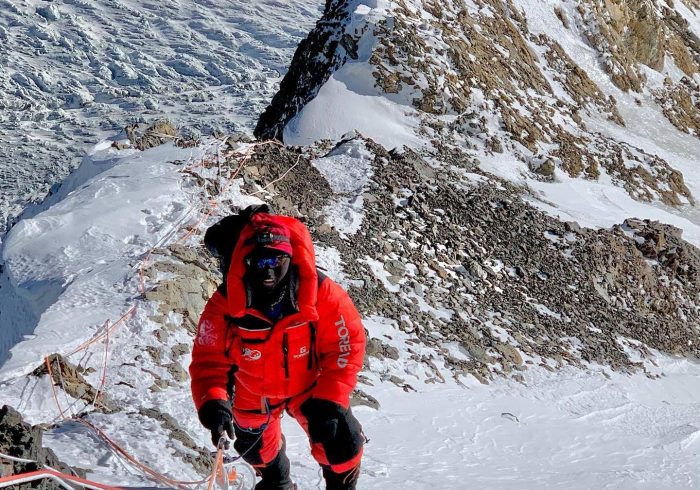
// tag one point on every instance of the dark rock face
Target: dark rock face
(21, 440)
(325, 49)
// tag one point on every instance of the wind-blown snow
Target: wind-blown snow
(595, 204)
(73, 72)
(347, 169)
(73, 266)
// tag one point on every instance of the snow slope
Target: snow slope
(83, 251)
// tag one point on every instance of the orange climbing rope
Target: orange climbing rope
(105, 333)
(179, 484)
(53, 388)
(218, 467)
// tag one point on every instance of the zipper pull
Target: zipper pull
(285, 351)
(312, 347)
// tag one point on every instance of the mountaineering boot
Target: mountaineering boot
(275, 476)
(341, 481)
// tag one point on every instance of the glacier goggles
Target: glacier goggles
(266, 262)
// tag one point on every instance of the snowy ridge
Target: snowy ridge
(73, 264)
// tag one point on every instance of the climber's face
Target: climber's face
(266, 270)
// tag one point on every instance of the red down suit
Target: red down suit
(314, 352)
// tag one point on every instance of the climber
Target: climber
(279, 336)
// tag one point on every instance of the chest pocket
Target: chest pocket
(244, 345)
(299, 349)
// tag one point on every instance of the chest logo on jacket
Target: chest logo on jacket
(251, 354)
(303, 352)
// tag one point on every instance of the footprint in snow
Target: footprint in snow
(510, 416)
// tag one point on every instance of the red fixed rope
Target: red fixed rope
(31, 476)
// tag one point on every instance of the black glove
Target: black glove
(216, 416)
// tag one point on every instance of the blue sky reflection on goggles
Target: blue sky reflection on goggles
(266, 262)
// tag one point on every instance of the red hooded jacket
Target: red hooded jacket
(320, 347)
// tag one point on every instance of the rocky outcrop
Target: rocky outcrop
(630, 33)
(508, 89)
(185, 279)
(680, 103)
(316, 58)
(144, 137)
(20, 440)
(664, 245)
(499, 264)
(627, 33)
(69, 377)
(274, 175)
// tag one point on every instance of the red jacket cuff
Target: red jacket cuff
(210, 394)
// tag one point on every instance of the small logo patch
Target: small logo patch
(206, 333)
(251, 354)
(303, 352)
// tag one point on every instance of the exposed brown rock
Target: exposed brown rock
(562, 16)
(263, 174)
(556, 279)
(480, 63)
(69, 378)
(158, 133)
(681, 105)
(632, 32)
(576, 81)
(192, 279)
(681, 55)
